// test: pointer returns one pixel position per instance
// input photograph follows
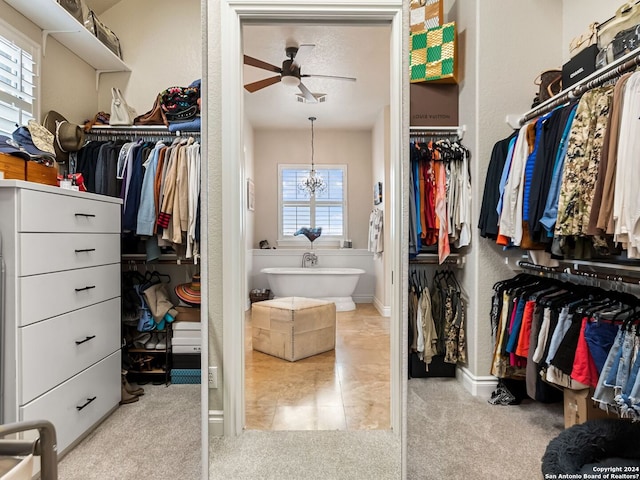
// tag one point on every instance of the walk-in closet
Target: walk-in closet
(491, 223)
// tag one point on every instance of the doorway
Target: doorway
(233, 262)
(348, 387)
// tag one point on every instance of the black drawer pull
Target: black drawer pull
(88, 287)
(85, 340)
(85, 250)
(85, 215)
(89, 400)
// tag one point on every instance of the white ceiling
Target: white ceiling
(346, 50)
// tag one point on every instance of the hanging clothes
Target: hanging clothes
(440, 196)
(159, 184)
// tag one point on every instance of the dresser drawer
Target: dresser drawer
(76, 405)
(53, 212)
(48, 295)
(53, 252)
(56, 349)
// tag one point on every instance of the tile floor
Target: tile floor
(345, 389)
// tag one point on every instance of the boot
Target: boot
(127, 397)
(127, 386)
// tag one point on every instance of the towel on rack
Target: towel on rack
(376, 236)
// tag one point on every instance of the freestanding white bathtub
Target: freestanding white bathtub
(331, 284)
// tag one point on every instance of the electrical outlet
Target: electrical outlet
(213, 377)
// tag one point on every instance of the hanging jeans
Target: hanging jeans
(628, 400)
(604, 395)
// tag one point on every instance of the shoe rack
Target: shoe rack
(148, 362)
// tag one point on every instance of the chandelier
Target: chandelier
(313, 183)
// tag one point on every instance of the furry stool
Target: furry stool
(602, 442)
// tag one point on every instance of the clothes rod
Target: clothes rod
(614, 277)
(438, 130)
(148, 131)
(432, 259)
(615, 69)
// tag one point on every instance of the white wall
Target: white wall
(498, 79)
(67, 83)
(380, 172)
(249, 223)
(161, 43)
(577, 15)
(352, 148)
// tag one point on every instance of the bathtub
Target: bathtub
(331, 284)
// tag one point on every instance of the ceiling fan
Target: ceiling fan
(289, 73)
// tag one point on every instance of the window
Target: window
(19, 58)
(326, 210)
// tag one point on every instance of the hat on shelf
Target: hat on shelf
(190, 292)
(68, 137)
(11, 147)
(35, 140)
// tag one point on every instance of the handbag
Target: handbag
(549, 84)
(155, 116)
(121, 112)
(627, 16)
(433, 55)
(579, 43)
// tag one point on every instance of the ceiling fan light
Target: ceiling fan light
(290, 81)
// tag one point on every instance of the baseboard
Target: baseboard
(477, 386)
(383, 310)
(216, 423)
(362, 298)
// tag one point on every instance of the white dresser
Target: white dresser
(60, 307)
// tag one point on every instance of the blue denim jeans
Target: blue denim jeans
(619, 373)
(600, 337)
(604, 394)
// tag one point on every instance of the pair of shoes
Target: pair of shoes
(128, 397)
(162, 341)
(129, 389)
(502, 396)
(140, 340)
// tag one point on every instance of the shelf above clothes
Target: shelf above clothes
(54, 20)
(615, 69)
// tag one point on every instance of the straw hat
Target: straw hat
(68, 137)
(190, 292)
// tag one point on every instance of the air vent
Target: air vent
(320, 97)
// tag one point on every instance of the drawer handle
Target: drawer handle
(89, 400)
(85, 215)
(88, 287)
(85, 340)
(82, 250)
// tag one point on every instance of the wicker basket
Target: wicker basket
(259, 295)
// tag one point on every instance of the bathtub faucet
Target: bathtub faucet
(309, 259)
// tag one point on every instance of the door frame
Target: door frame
(232, 15)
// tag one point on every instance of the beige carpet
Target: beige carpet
(308, 455)
(452, 435)
(157, 437)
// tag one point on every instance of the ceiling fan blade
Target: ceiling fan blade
(307, 94)
(303, 53)
(255, 86)
(337, 77)
(254, 62)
